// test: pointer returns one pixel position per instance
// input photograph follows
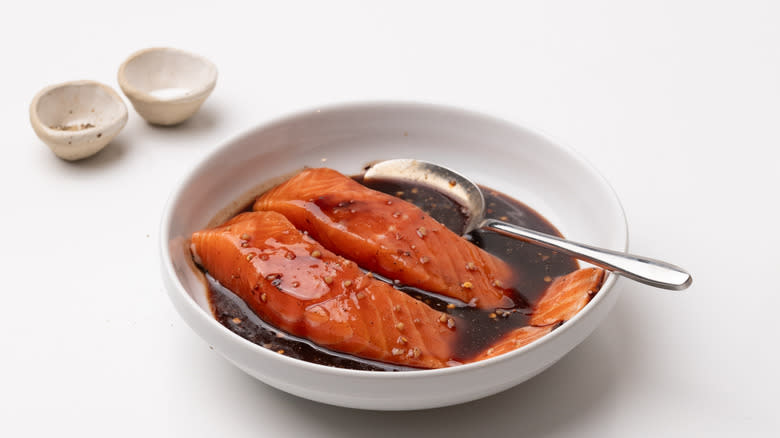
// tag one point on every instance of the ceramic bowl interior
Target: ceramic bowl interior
(550, 178)
(166, 74)
(79, 105)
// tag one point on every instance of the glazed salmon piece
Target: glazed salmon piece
(566, 296)
(297, 285)
(390, 236)
(513, 340)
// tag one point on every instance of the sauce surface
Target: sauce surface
(535, 268)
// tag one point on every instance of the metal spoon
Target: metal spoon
(466, 193)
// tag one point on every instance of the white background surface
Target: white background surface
(677, 103)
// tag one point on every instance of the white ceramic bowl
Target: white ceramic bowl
(550, 178)
(167, 86)
(77, 119)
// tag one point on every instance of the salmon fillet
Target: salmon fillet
(566, 296)
(563, 299)
(391, 237)
(295, 284)
(513, 340)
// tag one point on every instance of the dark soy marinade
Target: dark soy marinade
(534, 267)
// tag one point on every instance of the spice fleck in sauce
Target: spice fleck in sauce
(535, 268)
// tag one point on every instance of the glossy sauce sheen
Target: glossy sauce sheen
(536, 267)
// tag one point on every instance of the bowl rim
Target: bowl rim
(198, 93)
(168, 269)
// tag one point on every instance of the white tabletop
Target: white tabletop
(676, 103)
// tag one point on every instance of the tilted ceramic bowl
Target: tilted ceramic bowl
(550, 178)
(77, 119)
(167, 86)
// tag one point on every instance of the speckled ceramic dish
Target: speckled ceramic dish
(77, 119)
(552, 179)
(167, 86)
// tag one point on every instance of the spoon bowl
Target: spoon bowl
(466, 193)
(456, 186)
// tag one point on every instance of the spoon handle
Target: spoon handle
(644, 270)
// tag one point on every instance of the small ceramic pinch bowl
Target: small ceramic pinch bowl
(167, 86)
(77, 119)
(552, 179)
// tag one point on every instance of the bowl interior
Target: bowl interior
(74, 107)
(169, 73)
(549, 178)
